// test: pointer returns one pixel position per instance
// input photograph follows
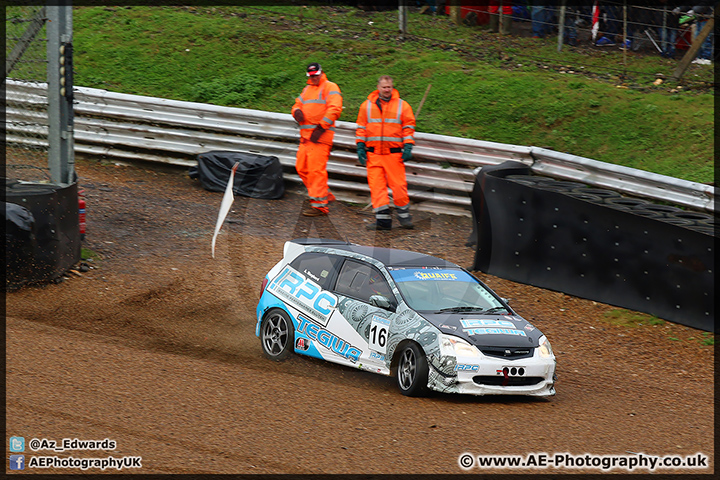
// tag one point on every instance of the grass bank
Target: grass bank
(511, 90)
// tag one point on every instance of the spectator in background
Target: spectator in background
(669, 26)
(541, 15)
(572, 22)
(700, 14)
(609, 24)
(633, 29)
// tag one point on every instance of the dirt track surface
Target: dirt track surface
(155, 349)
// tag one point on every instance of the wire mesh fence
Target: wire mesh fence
(26, 148)
(654, 27)
(632, 30)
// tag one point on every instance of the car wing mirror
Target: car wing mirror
(381, 301)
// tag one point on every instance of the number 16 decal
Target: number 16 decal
(379, 334)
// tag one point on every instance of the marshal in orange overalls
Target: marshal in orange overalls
(320, 104)
(386, 127)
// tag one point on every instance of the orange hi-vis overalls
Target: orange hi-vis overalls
(321, 105)
(385, 127)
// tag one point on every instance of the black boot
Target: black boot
(383, 220)
(404, 217)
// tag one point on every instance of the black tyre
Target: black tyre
(527, 179)
(586, 197)
(694, 216)
(661, 209)
(625, 203)
(600, 192)
(412, 371)
(647, 213)
(561, 185)
(681, 222)
(707, 230)
(277, 335)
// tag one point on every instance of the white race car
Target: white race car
(426, 321)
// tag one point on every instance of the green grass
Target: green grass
(483, 86)
(87, 254)
(631, 319)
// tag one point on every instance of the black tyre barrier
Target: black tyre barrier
(54, 237)
(624, 203)
(707, 230)
(682, 222)
(600, 192)
(555, 241)
(561, 185)
(588, 197)
(661, 209)
(694, 216)
(646, 213)
(529, 179)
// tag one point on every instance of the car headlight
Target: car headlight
(544, 348)
(457, 347)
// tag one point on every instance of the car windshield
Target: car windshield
(447, 290)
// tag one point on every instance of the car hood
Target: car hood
(487, 330)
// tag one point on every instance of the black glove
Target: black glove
(362, 153)
(315, 136)
(407, 152)
(298, 115)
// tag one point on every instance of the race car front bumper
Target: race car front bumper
(530, 376)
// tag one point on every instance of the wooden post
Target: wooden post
(561, 27)
(402, 17)
(455, 13)
(694, 49)
(624, 40)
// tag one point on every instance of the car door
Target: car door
(357, 283)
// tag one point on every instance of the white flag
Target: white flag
(227, 202)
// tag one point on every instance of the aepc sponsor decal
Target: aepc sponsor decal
(304, 294)
(328, 340)
(490, 327)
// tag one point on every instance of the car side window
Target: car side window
(319, 267)
(361, 281)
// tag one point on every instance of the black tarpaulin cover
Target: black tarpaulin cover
(257, 176)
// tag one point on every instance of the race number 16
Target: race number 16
(379, 334)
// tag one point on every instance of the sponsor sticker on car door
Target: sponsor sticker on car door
(304, 294)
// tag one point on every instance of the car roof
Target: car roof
(390, 257)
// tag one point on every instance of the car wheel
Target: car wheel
(277, 334)
(412, 371)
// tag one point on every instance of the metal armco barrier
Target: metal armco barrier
(556, 238)
(440, 176)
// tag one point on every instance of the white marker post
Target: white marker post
(227, 202)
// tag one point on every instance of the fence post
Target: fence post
(455, 14)
(693, 51)
(561, 26)
(61, 158)
(402, 16)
